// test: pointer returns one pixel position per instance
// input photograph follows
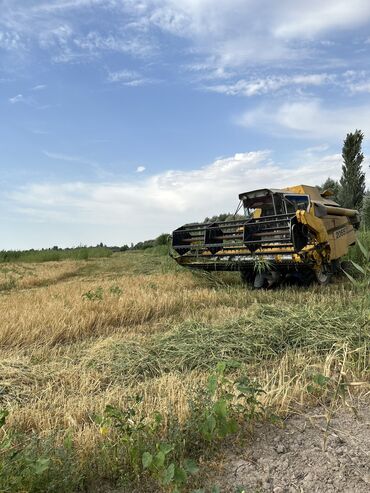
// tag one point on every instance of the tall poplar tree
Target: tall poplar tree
(352, 182)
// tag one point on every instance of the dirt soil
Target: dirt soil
(294, 459)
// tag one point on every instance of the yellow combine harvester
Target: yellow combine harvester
(296, 232)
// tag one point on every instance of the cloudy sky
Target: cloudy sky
(123, 119)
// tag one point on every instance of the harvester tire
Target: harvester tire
(247, 276)
(323, 277)
(260, 281)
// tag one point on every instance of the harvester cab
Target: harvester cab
(297, 231)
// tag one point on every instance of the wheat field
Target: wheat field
(78, 335)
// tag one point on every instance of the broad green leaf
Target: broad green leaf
(228, 427)
(40, 466)
(320, 379)
(166, 448)
(147, 460)
(220, 368)
(212, 384)
(191, 466)
(169, 474)
(243, 388)
(113, 412)
(211, 423)
(215, 489)
(232, 426)
(159, 459)
(208, 426)
(180, 475)
(220, 408)
(365, 252)
(352, 279)
(233, 363)
(358, 267)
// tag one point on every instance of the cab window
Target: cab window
(296, 202)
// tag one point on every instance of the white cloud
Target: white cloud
(315, 17)
(308, 119)
(256, 86)
(98, 170)
(39, 87)
(236, 32)
(128, 78)
(360, 87)
(350, 80)
(17, 99)
(68, 158)
(28, 100)
(140, 169)
(314, 150)
(57, 36)
(62, 5)
(10, 41)
(95, 42)
(356, 81)
(147, 206)
(71, 37)
(226, 33)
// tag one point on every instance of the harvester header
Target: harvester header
(296, 231)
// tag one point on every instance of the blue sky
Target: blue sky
(122, 119)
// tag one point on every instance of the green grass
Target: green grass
(266, 334)
(134, 262)
(355, 252)
(51, 255)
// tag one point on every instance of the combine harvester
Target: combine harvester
(296, 232)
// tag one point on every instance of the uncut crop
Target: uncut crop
(76, 336)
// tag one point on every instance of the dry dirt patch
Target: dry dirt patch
(293, 459)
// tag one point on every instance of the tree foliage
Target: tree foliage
(143, 245)
(365, 213)
(225, 216)
(352, 182)
(333, 185)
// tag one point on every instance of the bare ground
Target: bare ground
(295, 458)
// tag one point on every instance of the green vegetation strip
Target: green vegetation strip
(55, 255)
(270, 332)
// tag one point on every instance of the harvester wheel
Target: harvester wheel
(247, 276)
(323, 276)
(266, 279)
